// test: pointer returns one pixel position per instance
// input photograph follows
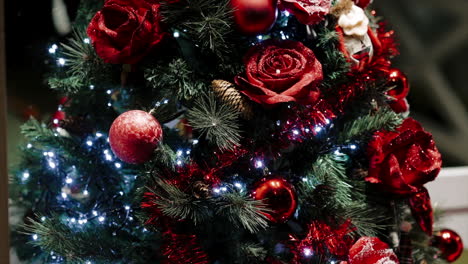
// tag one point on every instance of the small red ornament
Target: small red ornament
(279, 196)
(449, 243)
(134, 135)
(254, 17)
(398, 80)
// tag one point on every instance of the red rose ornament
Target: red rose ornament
(123, 32)
(404, 160)
(281, 71)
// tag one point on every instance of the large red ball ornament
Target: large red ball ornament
(134, 135)
(449, 243)
(254, 16)
(279, 196)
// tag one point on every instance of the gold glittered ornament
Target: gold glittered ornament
(228, 94)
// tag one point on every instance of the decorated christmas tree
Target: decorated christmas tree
(228, 131)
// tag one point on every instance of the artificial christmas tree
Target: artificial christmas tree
(199, 131)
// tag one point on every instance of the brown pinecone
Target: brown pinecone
(231, 96)
(200, 190)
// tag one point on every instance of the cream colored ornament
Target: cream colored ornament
(358, 45)
(355, 22)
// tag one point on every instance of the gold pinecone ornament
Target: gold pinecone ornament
(229, 95)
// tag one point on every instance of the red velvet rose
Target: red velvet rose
(123, 32)
(404, 160)
(279, 72)
(308, 12)
(370, 250)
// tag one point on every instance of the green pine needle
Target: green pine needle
(176, 78)
(217, 122)
(177, 204)
(383, 119)
(243, 211)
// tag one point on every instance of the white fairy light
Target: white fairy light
(195, 141)
(68, 180)
(223, 189)
(54, 46)
(179, 162)
(64, 195)
(85, 193)
(61, 61)
(179, 153)
(94, 213)
(109, 104)
(26, 175)
(259, 37)
(91, 87)
(307, 252)
(118, 165)
(258, 164)
(50, 154)
(305, 179)
(238, 185)
(286, 13)
(52, 164)
(109, 91)
(43, 218)
(318, 129)
(127, 207)
(73, 220)
(176, 34)
(188, 152)
(51, 50)
(35, 236)
(296, 132)
(216, 190)
(121, 193)
(353, 147)
(101, 219)
(89, 143)
(29, 145)
(98, 134)
(86, 40)
(307, 130)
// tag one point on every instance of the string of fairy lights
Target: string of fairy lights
(99, 143)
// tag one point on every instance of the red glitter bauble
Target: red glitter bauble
(134, 135)
(254, 17)
(449, 243)
(279, 196)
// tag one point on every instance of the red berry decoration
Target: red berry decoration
(134, 135)
(449, 243)
(279, 196)
(254, 17)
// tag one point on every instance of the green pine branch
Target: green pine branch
(76, 247)
(217, 122)
(383, 119)
(177, 204)
(207, 22)
(176, 78)
(242, 210)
